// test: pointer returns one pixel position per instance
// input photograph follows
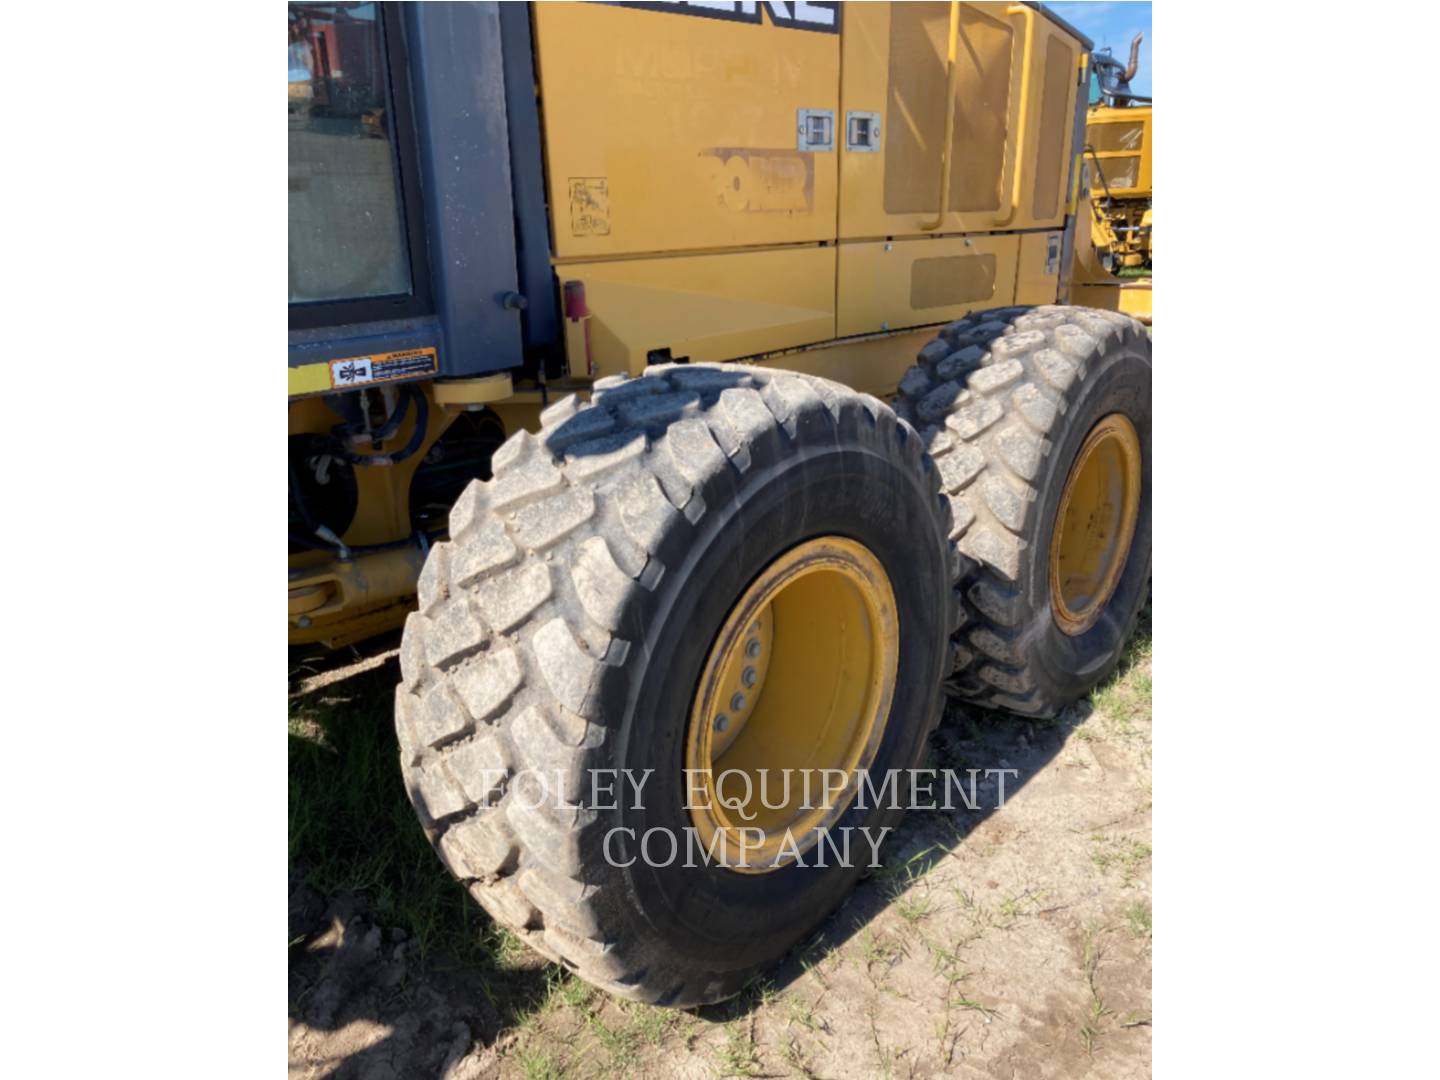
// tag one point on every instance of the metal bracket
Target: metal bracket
(862, 132)
(816, 129)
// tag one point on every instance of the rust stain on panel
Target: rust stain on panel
(750, 179)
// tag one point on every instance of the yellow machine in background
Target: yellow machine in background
(1118, 163)
(1120, 184)
(1118, 145)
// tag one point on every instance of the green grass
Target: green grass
(811, 957)
(795, 1057)
(1091, 952)
(537, 1065)
(738, 1055)
(352, 830)
(620, 1045)
(883, 1054)
(1125, 698)
(1025, 903)
(601, 1033)
(1137, 917)
(1120, 853)
(908, 897)
(800, 1011)
(569, 991)
(1133, 272)
(651, 1024)
(878, 949)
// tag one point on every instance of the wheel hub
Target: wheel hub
(798, 681)
(1095, 524)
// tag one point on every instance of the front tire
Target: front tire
(565, 628)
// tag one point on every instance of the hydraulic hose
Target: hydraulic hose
(391, 426)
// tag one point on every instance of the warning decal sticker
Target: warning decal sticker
(589, 206)
(383, 367)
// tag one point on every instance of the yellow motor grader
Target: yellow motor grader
(1118, 145)
(709, 389)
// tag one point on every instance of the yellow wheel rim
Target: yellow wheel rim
(1095, 524)
(798, 681)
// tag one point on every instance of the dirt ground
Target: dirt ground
(1011, 942)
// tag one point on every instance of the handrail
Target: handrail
(1015, 159)
(1098, 170)
(952, 79)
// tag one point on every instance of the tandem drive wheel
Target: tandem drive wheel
(1039, 422)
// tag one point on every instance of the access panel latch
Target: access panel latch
(817, 129)
(862, 132)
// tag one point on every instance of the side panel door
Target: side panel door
(675, 127)
(890, 285)
(1009, 144)
(1010, 154)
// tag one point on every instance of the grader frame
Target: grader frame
(625, 184)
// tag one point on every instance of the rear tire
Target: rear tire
(1005, 401)
(563, 629)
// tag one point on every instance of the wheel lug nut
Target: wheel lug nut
(737, 702)
(749, 677)
(722, 722)
(752, 648)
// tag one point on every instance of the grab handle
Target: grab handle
(952, 78)
(1013, 155)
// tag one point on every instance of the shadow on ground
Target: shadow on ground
(396, 972)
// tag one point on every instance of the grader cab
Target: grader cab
(703, 388)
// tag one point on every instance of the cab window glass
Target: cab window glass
(346, 231)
